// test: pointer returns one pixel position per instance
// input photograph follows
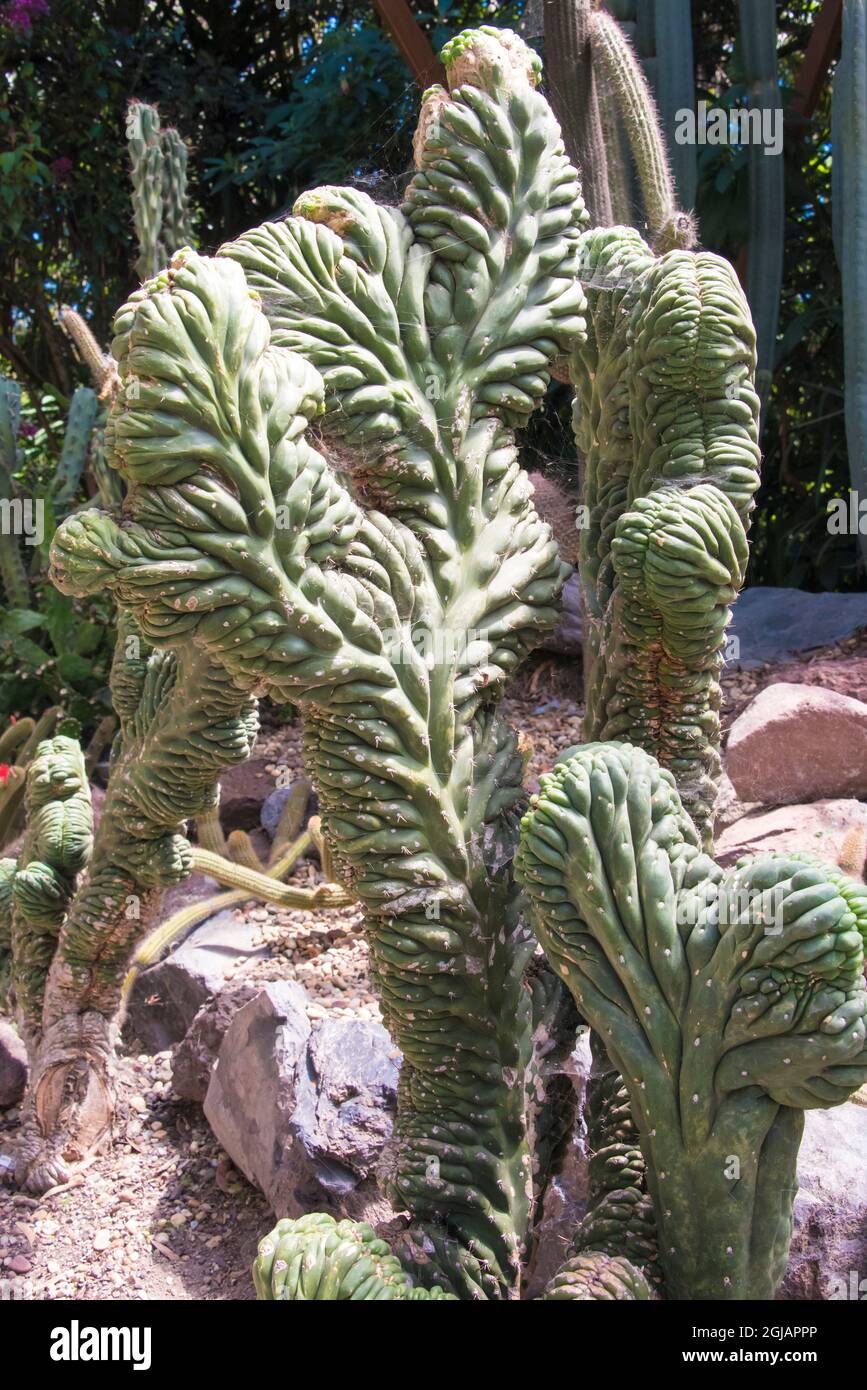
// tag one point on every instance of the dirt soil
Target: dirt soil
(163, 1214)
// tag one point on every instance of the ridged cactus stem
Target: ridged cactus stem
(146, 161)
(391, 602)
(729, 1002)
(55, 848)
(669, 226)
(572, 85)
(76, 441)
(182, 722)
(671, 466)
(177, 231)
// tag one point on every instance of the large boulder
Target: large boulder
(798, 743)
(832, 830)
(13, 1066)
(828, 1256)
(167, 996)
(772, 624)
(303, 1113)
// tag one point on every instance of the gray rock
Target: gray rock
(13, 1066)
(166, 997)
(566, 639)
(346, 1102)
(828, 1255)
(564, 1202)
(194, 1057)
(305, 1115)
(798, 743)
(272, 808)
(771, 624)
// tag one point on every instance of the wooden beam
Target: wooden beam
(411, 41)
(822, 49)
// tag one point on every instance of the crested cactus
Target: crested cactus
(41, 881)
(433, 328)
(730, 1002)
(181, 722)
(666, 416)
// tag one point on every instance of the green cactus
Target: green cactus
(434, 327)
(13, 574)
(181, 722)
(177, 228)
(730, 1002)
(40, 882)
(158, 161)
(318, 1259)
(666, 417)
(76, 441)
(146, 161)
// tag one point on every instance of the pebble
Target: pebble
(19, 1264)
(102, 1240)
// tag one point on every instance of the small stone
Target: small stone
(19, 1264)
(102, 1240)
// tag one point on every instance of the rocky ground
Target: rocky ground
(164, 1214)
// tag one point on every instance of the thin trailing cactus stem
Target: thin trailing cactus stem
(101, 367)
(176, 927)
(257, 884)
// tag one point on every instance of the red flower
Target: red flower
(5, 769)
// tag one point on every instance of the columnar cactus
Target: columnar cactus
(391, 602)
(666, 417)
(182, 721)
(158, 162)
(730, 1002)
(38, 884)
